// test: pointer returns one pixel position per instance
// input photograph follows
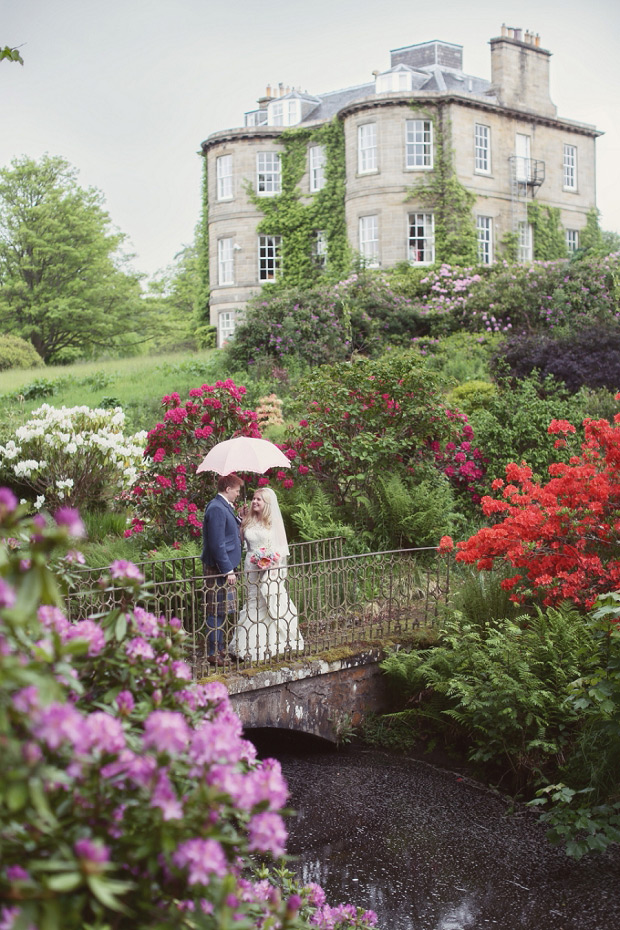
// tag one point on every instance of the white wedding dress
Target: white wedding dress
(267, 624)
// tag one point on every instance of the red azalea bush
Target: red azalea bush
(168, 500)
(561, 536)
(371, 418)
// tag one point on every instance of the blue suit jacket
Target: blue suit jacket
(221, 545)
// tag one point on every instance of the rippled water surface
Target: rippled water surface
(428, 849)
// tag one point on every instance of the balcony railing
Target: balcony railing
(340, 599)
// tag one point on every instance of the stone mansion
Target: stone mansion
(508, 146)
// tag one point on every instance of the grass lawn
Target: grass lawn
(136, 384)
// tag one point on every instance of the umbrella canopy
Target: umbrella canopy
(243, 453)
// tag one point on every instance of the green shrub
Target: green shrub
(504, 684)
(472, 395)
(18, 353)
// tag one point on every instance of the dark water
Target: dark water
(428, 849)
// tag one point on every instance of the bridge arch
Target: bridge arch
(317, 697)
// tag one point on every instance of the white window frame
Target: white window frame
(421, 238)
(523, 152)
(224, 175)
(368, 230)
(569, 169)
(316, 167)
(320, 248)
(269, 257)
(482, 149)
(284, 112)
(391, 82)
(526, 242)
(484, 233)
(226, 324)
(225, 261)
(418, 144)
(268, 174)
(572, 240)
(367, 148)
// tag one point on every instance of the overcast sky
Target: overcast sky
(126, 90)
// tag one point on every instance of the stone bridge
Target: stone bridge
(324, 698)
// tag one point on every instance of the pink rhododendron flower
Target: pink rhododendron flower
(202, 858)
(166, 731)
(267, 833)
(124, 570)
(69, 517)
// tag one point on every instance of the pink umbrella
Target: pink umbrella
(243, 453)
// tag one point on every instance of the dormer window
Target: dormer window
(391, 82)
(284, 112)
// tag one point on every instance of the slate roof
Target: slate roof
(432, 79)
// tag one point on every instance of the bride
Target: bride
(267, 624)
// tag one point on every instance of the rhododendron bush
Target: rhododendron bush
(128, 795)
(169, 498)
(372, 418)
(74, 455)
(561, 537)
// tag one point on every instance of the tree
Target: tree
(10, 54)
(62, 286)
(173, 301)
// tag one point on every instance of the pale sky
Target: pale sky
(126, 90)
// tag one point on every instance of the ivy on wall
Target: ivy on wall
(287, 214)
(456, 241)
(549, 235)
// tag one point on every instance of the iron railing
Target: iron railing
(338, 599)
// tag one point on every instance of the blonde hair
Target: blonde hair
(265, 517)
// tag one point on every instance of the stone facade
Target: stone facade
(509, 146)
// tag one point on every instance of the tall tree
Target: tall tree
(62, 283)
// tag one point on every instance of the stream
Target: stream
(431, 849)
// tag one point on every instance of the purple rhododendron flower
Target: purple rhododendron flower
(7, 594)
(181, 670)
(316, 895)
(124, 569)
(214, 742)
(105, 732)
(69, 517)
(138, 648)
(267, 833)
(8, 502)
(61, 723)
(166, 800)
(15, 873)
(88, 630)
(202, 858)
(166, 731)
(147, 623)
(91, 851)
(125, 702)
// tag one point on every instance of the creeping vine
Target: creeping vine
(291, 216)
(456, 241)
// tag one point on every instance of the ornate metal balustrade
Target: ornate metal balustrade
(340, 599)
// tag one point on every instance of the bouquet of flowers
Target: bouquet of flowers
(264, 558)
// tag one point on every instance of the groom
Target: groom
(221, 554)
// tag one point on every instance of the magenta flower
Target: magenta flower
(166, 731)
(7, 594)
(8, 502)
(70, 518)
(105, 732)
(88, 630)
(15, 873)
(138, 648)
(92, 854)
(125, 703)
(61, 723)
(202, 858)
(267, 833)
(146, 622)
(124, 570)
(166, 800)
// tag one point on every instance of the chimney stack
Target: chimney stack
(520, 71)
